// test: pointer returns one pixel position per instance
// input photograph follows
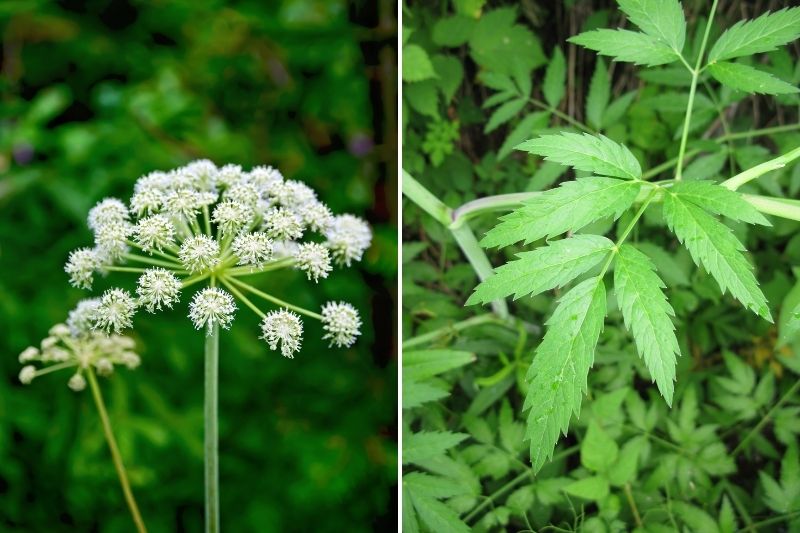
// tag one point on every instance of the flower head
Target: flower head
(341, 323)
(282, 224)
(283, 328)
(231, 216)
(112, 238)
(199, 253)
(314, 259)
(78, 348)
(81, 319)
(348, 237)
(115, 311)
(158, 287)
(154, 233)
(107, 211)
(81, 266)
(212, 306)
(252, 248)
(147, 201)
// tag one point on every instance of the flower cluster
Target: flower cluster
(75, 346)
(200, 223)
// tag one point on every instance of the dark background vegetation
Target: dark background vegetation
(95, 94)
(734, 418)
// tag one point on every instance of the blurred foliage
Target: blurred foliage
(725, 456)
(94, 95)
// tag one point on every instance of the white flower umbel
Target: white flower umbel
(341, 323)
(348, 237)
(86, 354)
(313, 259)
(212, 306)
(204, 225)
(115, 311)
(282, 328)
(158, 287)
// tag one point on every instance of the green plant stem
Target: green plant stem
(763, 422)
(498, 202)
(111, 268)
(773, 520)
(563, 116)
(463, 235)
(207, 221)
(151, 261)
(757, 133)
(632, 504)
(236, 292)
(115, 455)
(480, 263)
(627, 231)
(194, 279)
(780, 207)
(759, 170)
(172, 258)
(211, 446)
(514, 482)
(692, 90)
(270, 298)
(249, 270)
(472, 322)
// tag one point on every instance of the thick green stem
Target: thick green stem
(759, 170)
(211, 429)
(480, 263)
(780, 207)
(692, 90)
(115, 455)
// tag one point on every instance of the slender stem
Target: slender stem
(563, 116)
(170, 257)
(207, 221)
(757, 133)
(112, 268)
(270, 298)
(499, 202)
(54, 368)
(451, 329)
(115, 455)
(692, 90)
(763, 422)
(151, 261)
(211, 429)
(194, 279)
(236, 292)
(248, 270)
(628, 230)
(632, 503)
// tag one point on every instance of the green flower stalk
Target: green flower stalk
(200, 224)
(74, 346)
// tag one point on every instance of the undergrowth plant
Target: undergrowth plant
(590, 273)
(209, 226)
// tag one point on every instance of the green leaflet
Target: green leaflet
(436, 515)
(571, 206)
(748, 37)
(599, 93)
(713, 246)
(597, 154)
(748, 79)
(426, 444)
(628, 46)
(543, 269)
(647, 315)
(554, 86)
(662, 19)
(557, 376)
(792, 326)
(719, 200)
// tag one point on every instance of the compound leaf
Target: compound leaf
(592, 153)
(719, 200)
(557, 377)
(543, 269)
(662, 19)
(628, 46)
(647, 315)
(713, 246)
(748, 79)
(766, 33)
(571, 206)
(426, 444)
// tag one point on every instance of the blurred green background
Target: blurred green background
(95, 94)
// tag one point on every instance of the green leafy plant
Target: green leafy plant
(648, 168)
